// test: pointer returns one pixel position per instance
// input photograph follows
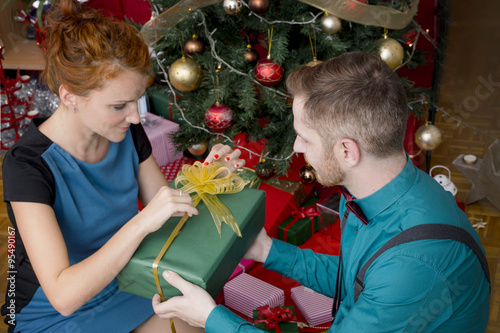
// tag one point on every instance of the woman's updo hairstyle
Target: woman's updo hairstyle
(84, 48)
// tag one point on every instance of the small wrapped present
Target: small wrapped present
(246, 293)
(305, 221)
(158, 131)
(278, 319)
(295, 188)
(316, 308)
(163, 105)
(201, 253)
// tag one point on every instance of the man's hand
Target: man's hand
(193, 307)
(260, 247)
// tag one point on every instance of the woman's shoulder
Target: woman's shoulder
(30, 146)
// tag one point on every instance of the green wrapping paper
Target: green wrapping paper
(285, 327)
(301, 231)
(162, 106)
(197, 253)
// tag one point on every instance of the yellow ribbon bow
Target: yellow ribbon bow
(203, 181)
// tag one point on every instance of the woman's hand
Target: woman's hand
(166, 203)
(229, 158)
(193, 307)
(260, 247)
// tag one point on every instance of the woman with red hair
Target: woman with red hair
(72, 181)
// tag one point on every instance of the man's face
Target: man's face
(309, 142)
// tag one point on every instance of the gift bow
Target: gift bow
(271, 316)
(299, 214)
(203, 181)
(303, 212)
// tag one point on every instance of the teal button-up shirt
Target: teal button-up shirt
(422, 286)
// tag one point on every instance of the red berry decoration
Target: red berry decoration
(268, 73)
(219, 117)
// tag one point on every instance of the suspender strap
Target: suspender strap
(340, 274)
(421, 232)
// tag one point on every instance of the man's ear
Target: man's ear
(350, 152)
(67, 97)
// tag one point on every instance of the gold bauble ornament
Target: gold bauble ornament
(314, 62)
(307, 175)
(264, 169)
(259, 6)
(251, 56)
(194, 45)
(330, 24)
(185, 74)
(198, 148)
(232, 7)
(151, 79)
(428, 137)
(390, 51)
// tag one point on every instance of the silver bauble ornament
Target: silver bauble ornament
(330, 24)
(390, 51)
(428, 137)
(232, 7)
(185, 74)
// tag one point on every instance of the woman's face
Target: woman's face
(109, 111)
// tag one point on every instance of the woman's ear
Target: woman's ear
(67, 97)
(350, 152)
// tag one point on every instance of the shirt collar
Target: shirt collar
(379, 201)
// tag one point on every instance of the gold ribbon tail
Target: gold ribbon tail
(172, 326)
(162, 253)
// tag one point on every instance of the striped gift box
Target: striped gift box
(158, 131)
(246, 293)
(316, 308)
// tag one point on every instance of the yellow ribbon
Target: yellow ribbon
(203, 181)
(207, 182)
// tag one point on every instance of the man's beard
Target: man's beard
(330, 173)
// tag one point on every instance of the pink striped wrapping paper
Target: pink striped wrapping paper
(246, 293)
(316, 308)
(158, 130)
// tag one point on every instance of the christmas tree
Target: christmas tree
(205, 58)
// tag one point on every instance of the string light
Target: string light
(281, 22)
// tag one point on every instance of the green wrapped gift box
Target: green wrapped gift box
(162, 105)
(285, 327)
(197, 253)
(297, 231)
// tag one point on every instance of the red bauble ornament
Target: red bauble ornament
(268, 73)
(219, 117)
(410, 37)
